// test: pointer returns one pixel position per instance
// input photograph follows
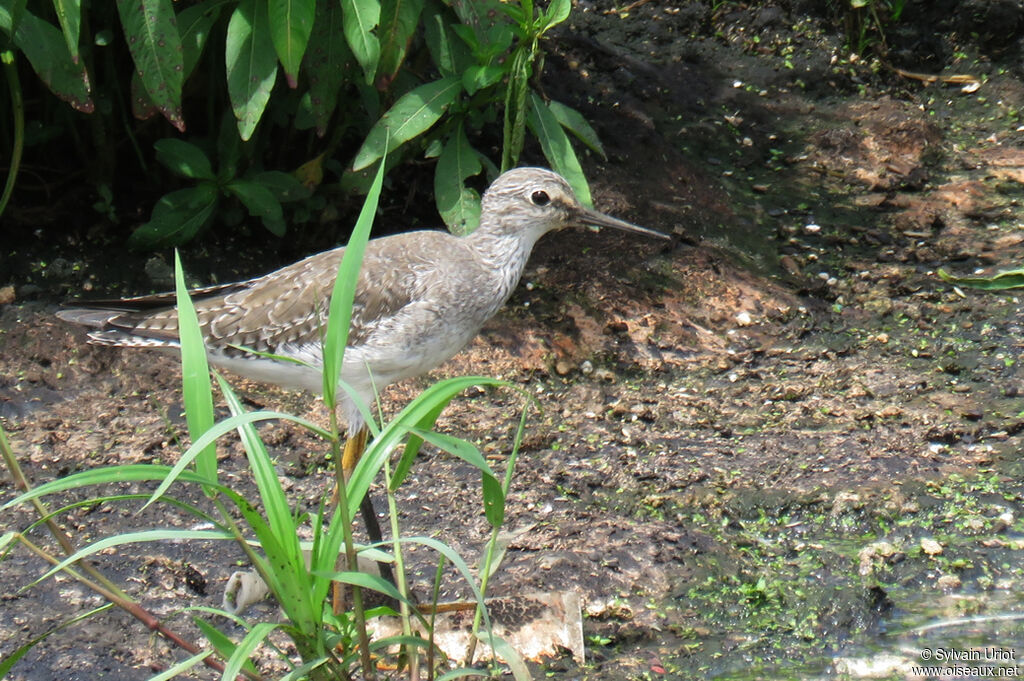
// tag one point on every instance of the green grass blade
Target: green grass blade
(279, 536)
(512, 658)
(411, 417)
(133, 538)
(245, 647)
(1000, 281)
(218, 430)
(101, 476)
(493, 495)
(340, 314)
(181, 667)
(195, 375)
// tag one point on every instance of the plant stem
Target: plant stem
(403, 587)
(18, 111)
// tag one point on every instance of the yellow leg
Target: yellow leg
(354, 448)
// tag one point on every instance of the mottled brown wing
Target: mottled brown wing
(289, 306)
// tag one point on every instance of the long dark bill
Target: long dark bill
(592, 217)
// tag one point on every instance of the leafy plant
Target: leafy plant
(428, 76)
(180, 215)
(865, 22)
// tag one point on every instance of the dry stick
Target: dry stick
(133, 608)
(101, 585)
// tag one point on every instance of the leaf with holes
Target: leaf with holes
(194, 24)
(327, 61)
(398, 20)
(155, 45)
(47, 52)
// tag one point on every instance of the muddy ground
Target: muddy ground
(781, 447)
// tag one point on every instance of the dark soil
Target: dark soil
(769, 450)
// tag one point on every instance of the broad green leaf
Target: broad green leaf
(556, 13)
(155, 44)
(195, 375)
(194, 24)
(327, 61)
(413, 114)
(285, 187)
(458, 204)
(573, 121)
(291, 23)
(46, 50)
(177, 217)
(260, 202)
(557, 147)
(251, 64)
(450, 53)
(476, 78)
(480, 14)
(359, 18)
(1000, 281)
(398, 21)
(69, 14)
(183, 158)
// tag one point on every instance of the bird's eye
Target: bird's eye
(540, 198)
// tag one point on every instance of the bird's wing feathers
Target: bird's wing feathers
(288, 306)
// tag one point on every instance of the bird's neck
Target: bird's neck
(504, 254)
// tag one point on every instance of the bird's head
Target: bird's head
(537, 201)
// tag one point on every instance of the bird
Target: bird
(421, 297)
